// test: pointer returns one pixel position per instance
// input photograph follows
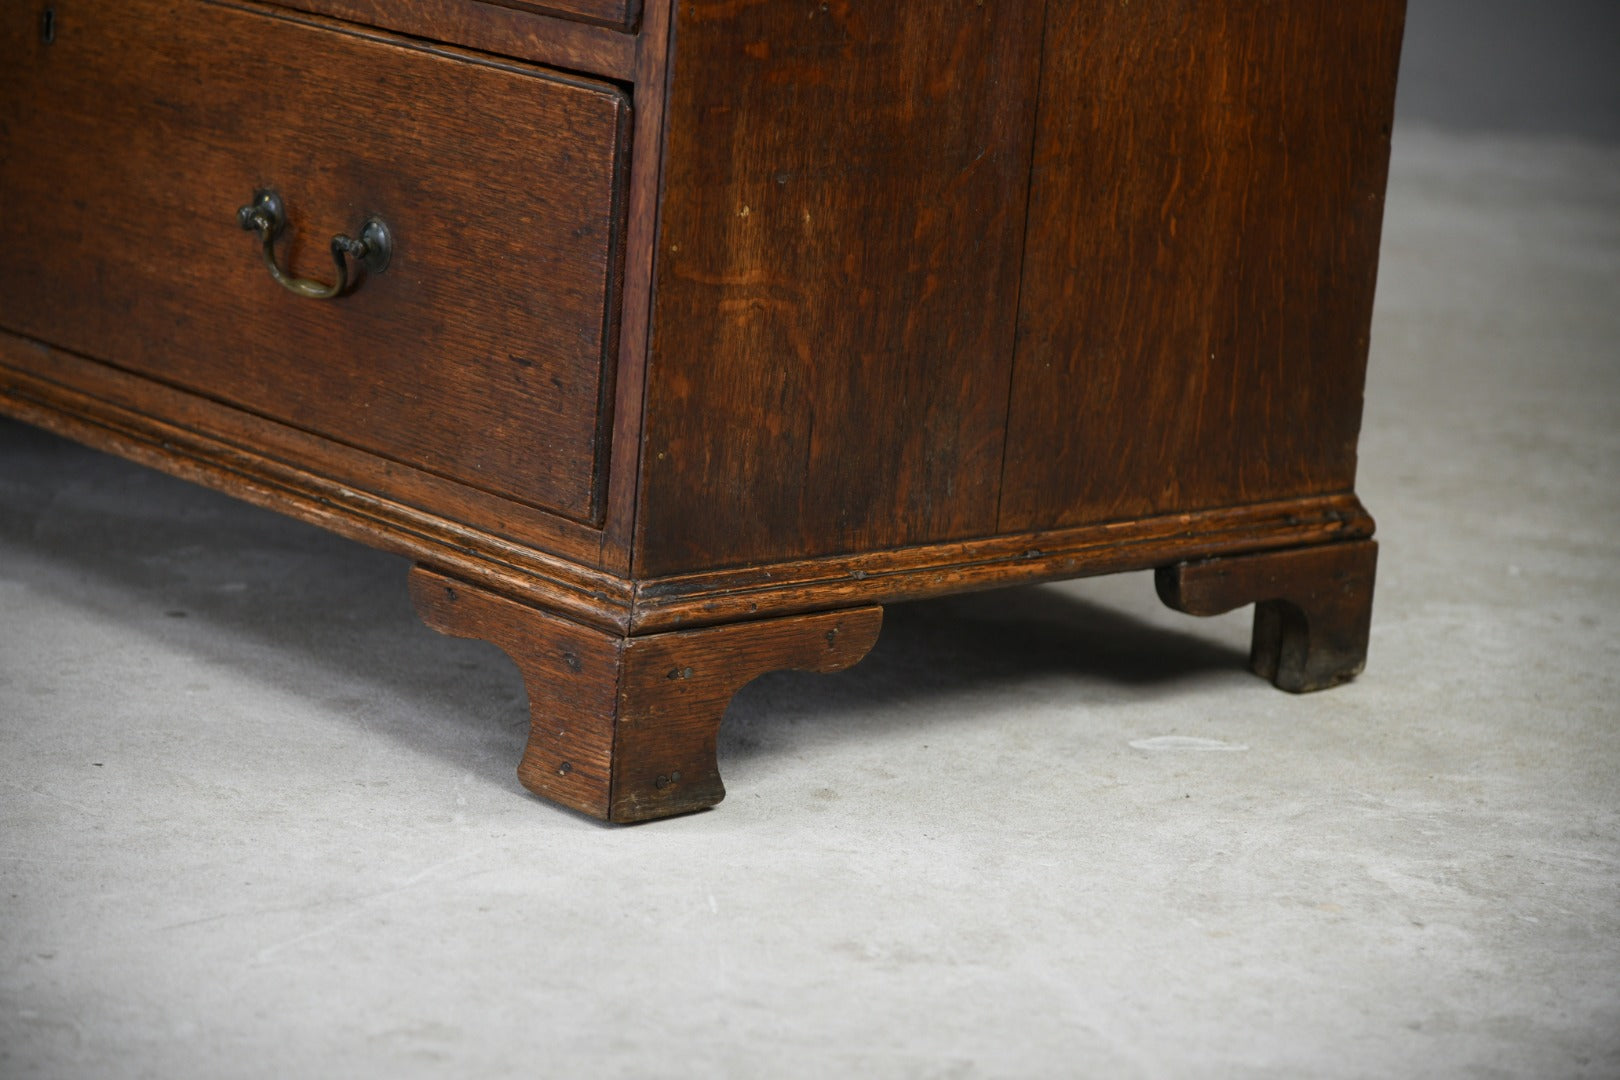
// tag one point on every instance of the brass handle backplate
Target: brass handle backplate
(267, 216)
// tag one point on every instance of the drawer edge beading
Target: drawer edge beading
(560, 585)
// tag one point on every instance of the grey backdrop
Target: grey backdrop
(1543, 66)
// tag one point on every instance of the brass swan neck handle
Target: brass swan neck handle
(267, 216)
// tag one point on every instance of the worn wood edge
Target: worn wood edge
(45, 372)
(606, 600)
(564, 10)
(1216, 585)
(653, 71)
(607, 402)
(573, 44)
(557, 584)
(915, 573)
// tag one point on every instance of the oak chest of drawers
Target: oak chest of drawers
(671, 341)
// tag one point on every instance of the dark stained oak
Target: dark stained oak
(622, 13)
(509, 30)
(625, 728)
(714, 325)
(1313, 607)
(617, 538)
(248, 463)
(1204, 221)
(838, 262)
(926, 570)
(206, 444)
(496, 316)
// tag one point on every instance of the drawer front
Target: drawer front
(132, 137)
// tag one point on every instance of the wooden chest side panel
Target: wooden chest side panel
(837, 277)
(1203, 238)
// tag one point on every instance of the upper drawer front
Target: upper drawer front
(129, 142)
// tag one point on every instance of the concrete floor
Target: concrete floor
(256, 821)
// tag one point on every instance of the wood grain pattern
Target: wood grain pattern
(487, 543)
(915, 299)
(622, 13)
(924, 570)
(640, 240)
(1203, 237)
(1313, 608)
(207, 443)
(838, 267)
(37, 379)
(495, 318)
(504, 30)
(625, 729)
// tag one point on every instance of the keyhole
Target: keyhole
(47, 25)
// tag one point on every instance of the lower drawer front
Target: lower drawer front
(134, 130)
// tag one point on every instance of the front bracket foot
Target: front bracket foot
(625, 728)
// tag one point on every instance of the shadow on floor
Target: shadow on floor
(282, 605)
(944, 653)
